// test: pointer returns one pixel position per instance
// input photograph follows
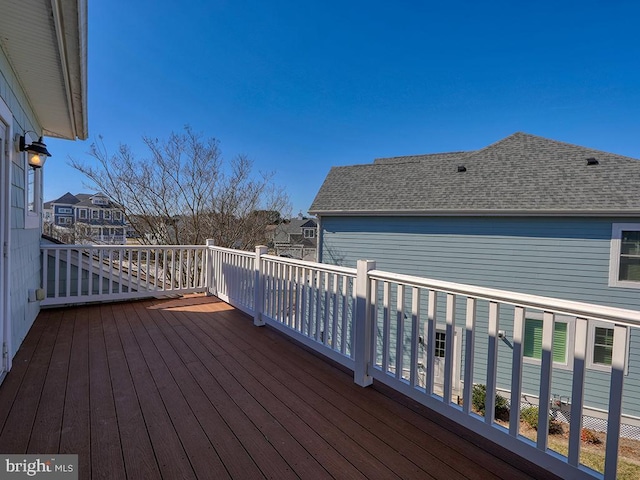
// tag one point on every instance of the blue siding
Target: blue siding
(24, 253)
(557, 257)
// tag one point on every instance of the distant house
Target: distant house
(525, 214)
(296, 238)
(86, 218)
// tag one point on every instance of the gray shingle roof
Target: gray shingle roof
(520, 174)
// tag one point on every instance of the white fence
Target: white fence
(431, 340)
(88, 273)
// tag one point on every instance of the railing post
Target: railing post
(258, 289)
(362, 349)
(209, 281)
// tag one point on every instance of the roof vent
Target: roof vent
(462, 168)
(592, 161)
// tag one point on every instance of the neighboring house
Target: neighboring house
(525, 214)
(296, 238)
(42, 93)
(86, 217)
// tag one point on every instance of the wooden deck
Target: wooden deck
(189, 388)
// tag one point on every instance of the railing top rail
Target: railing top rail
(55, 246)
(567, 307)
(324, 267)
(242, 253)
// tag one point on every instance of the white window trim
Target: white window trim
(614, 260)
(65, 210)
(95, 214)
(591, 340)
(82, 213)
(106, 214)
(570, 321)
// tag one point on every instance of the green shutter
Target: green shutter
(560, 342)
(533, 340)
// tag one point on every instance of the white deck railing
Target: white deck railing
(89, 273)
(384, 326)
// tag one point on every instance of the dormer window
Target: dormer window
(309, 233)
(99, 200)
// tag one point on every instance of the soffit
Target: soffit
(45, 42)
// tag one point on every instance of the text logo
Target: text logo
(50, 467)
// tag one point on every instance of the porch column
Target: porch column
(362, 348)
(258, 288)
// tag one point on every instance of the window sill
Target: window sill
(624, 284)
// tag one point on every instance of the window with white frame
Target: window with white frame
(309, 233)
(562, 339)
(107, 214)
(440, 345)
(117, 215)
(33, 182)
(600, 346)
(95, 214)
(64, 210)
(82, 213)
(624, 264)
(64, 220)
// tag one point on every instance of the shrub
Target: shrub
(478, 397)
(529, 415)
(589, 436)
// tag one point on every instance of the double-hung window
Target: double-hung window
(562, 336)
(600, 346)
(624, 265)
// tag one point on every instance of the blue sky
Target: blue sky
(302, 86)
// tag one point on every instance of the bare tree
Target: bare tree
(183, 192)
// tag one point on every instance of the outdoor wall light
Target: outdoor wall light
(37, 151)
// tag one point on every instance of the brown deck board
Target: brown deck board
(75, 437)
(195, 440)
(12, 383)
(17, 428)
(138, 455)
(375, 436)
(189, 388)
(105, 437)
(48, 422)
(172, 459)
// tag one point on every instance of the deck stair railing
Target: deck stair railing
(431, 340)
(91, 273)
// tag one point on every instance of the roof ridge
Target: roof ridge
(423, 155)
